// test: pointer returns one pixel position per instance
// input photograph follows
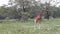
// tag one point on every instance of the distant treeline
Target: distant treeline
(27, 10)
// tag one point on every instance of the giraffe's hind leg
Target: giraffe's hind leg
(37, 26)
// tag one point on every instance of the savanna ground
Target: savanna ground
(51, 26)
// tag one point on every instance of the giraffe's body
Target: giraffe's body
(39, 16)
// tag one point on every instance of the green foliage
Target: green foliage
(2, 10)
(26, 9)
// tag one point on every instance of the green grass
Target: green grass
(51, 26)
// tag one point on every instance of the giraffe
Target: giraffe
(38, 18)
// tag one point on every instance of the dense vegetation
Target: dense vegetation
(27, 9)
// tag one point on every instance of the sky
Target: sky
(53, 3)
(3, 2)
(6, 2)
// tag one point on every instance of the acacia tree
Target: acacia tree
(51, 9)
(26, 7)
